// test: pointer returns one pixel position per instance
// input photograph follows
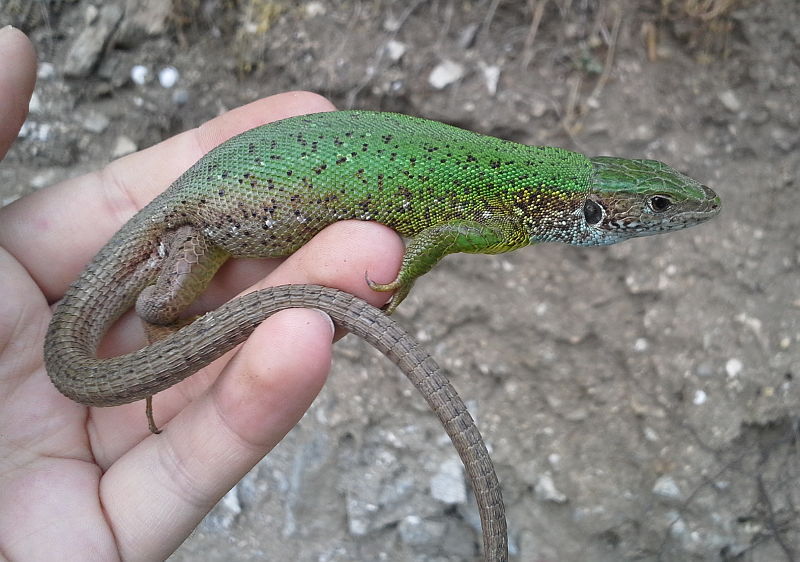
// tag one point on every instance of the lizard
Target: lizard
(267, 191)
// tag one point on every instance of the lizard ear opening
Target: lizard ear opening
(593, 212)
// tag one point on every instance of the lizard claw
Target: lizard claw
(382, 287)
(401, 292)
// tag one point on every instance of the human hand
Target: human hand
(93, 482)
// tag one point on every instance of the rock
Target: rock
(666, 487)
(380, 496)
(96, 123)
(123, 146)
(168, 76)
(143, 18)
(448, 484)
(180, 96)
(445, 73)
(85, 51)
(228, 509)
(467, 36)
(546, 490)
(314, 9)
(491, 75)
(729, 100)
(140, 74)
(415, 531)
(46, 71)
(395, 50)
(733, 367)
(35, 104)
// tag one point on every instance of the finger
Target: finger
(56, 231)
(17, 77)
(337, 257)
(170, 481)
(158, 493)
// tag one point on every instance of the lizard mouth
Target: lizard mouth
(714, 203)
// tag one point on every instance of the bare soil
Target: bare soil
(640, 401)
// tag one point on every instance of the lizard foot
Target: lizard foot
(400, 288)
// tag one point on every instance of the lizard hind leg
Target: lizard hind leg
(154, 333)
(188, 265)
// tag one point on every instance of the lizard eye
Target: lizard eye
(593, 212)
(659, 203)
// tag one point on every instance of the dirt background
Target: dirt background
(640, 401)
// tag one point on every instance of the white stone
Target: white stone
(545, 489)
(395, 49)
(491, 75)
(140, 74)
(445, 73)
(733, 367)
(666, 487)
(168, 76)
(123, 146)
(448, 484)
(730, 101)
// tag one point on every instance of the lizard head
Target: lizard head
(631, 198)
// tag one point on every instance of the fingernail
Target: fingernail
(328, 318)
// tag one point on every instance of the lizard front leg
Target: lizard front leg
(435, 242)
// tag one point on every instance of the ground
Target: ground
(640, 401)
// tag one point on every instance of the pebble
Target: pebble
(704, 369)
(35, 104)
(392, 24)
(168, 76)
(140, 74)
(91, 14)
(467, 36)
(448, 484)
(46, 71)
(733, 367)
(38, 132)
(445, 73)
(666, 487)
(395, 50)
(730, 101)
(314, 9)
(96, 123)
(491, 75)
(417, 531)
(229, 508)
(180, 96)
(546, 490)
(650, 434)
(46, 178)
(123, 146)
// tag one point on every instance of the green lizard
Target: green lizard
(266, 192)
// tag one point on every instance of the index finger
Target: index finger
(56, 231)
(17, 76)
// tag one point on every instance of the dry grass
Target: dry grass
(705, 25)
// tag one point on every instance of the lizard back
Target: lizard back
(267, 191)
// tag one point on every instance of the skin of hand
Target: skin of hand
(93, 483)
